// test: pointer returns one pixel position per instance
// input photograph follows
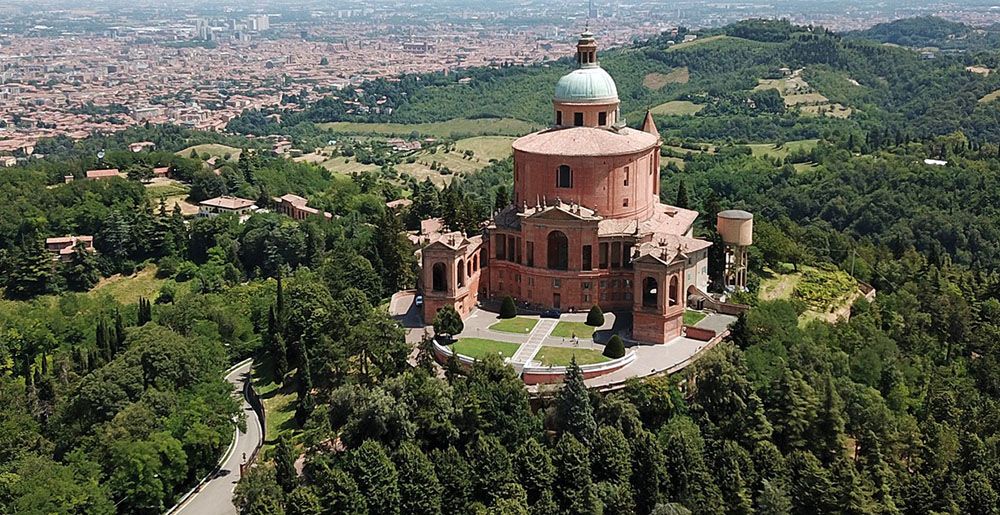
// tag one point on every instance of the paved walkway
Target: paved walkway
(526, 352)
(215, 496)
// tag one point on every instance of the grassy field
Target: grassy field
(561, 356)
(447, 129)
(770, 150)
(568, 329)
(656, 81)
(128, 289)
(693, 317)
(831, 110)
(479, 348)
(279, 404)
(990, 97)
(166, 188)
(212, 149)
(486, 147)
(699, 41)
(677, 108)
(518, 325)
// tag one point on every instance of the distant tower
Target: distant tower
(592, 11)
(736, 228)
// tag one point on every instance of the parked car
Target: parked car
(551, 313)
(419, 301)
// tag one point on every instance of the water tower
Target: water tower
(736, 228)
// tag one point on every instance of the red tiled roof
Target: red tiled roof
(586, 141)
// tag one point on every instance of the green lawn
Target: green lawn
(677, 108)
(782, 151)
(128, 289)
(692, 317)
(519, 325)
(561, 356)
(478, 348)
(279, 403)
(568, 329)
(446, 129)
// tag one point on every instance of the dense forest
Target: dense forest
(113, 404)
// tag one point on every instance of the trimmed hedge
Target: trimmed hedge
(507, 308)
(615, 347)
(596, 317)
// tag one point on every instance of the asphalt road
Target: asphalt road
(215, 496)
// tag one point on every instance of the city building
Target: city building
(295, 207)
(99, 175)
(226, 205)
(586, 226)
(62, 247)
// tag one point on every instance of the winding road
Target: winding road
(215, 495)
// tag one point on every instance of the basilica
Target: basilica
(586, 226)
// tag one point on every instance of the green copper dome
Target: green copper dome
(586, 84)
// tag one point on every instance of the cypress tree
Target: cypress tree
(284, 464)
(829, 439)
(574, 413)
(682, 196)
(119, 342)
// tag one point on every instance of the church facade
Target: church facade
(586, 226)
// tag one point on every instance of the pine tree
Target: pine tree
(534, 470)
(81, 272)
(791, 408)
(419, 488)
(811, 487)
(376, 477)
(304, 501)
(650, 476)
(284, 464)
(492, 465)
(447, 322)
(338, 491)
(829, 439)
(691, 481)
(31, 272)
(574, 413)
(773, 499)
(573, 488)
(456, 479)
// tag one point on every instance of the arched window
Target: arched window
(650, 292)
(475, 262)
(674, 290)
(461, 273)
(558, 249)
(439, 279)
(564, 177)
(468, 267)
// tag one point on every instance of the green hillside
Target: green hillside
(759, 82)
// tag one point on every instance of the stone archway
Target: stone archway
(650, 292)
(558, 251)
(439, 277)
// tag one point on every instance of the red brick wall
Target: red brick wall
(598, 182)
